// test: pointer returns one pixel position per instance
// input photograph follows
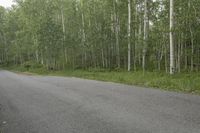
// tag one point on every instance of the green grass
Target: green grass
(184, 82)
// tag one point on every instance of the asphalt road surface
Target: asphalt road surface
(46, 104)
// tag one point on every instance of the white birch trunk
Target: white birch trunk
(146, 21)
(117, 33)
(172, 64)
(129, 35)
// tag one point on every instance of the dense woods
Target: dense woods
(148, 35)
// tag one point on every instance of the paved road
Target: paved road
(36, 104)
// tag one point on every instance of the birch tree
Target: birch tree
(172, 64)
(146, 23)
(117, 27)
(129, 35)
(102, 34)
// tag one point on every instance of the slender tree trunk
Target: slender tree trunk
(146, 21)
(198, 60)
(129, 35)
(135, 35)
(42, 58)
(166, 59)
(139, 39)
(102, 57)
(192, 50)
(64, 34)
(83, 36)
(186, 58)
(66, 55)
(37, 55)
(117, 33)
(179, 55)
(172, 64)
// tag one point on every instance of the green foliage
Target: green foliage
(32, 65)
(82, 34)
(36, 35)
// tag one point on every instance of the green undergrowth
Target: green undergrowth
(183, 82)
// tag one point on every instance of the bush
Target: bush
(32, 65)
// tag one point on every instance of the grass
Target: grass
(184, 82)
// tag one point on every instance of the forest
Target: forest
(130, 35)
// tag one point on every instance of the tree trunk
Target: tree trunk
(192, 50)
(64, 36)
(117, 33)
(186, 58)
(172, 64)
(146, 21)
(129, 35)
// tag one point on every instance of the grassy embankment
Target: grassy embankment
(184, 82)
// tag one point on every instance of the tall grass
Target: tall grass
(183, 82)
